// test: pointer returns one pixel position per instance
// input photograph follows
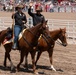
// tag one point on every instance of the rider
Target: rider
(20, 20)
(37, 17)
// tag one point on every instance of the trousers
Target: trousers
(17, 30)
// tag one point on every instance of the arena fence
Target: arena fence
(52, 24)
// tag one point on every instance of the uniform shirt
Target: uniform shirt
(19, 18)
(37, 18)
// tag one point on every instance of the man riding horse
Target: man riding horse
(37, 17)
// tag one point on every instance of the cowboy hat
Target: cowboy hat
(38, 9)
(19, 6)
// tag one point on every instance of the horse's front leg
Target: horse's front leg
(33, 61)
(26, 61)
(38, 56)
(50, 52)
(22, 54)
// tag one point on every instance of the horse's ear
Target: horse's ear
(65, 28)
(60, 29)
(46, 21)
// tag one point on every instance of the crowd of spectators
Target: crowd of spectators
(64, 6)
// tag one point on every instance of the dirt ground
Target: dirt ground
(64, 58)
(48, 15)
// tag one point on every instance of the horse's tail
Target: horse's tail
(0, 38)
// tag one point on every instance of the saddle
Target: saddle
(9, 36)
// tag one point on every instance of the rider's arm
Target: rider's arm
(43, 18)
(25, 19)
(29, 12)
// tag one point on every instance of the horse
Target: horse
(26, 43)
(48, 43)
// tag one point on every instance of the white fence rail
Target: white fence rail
(52, 23)
(70, 27)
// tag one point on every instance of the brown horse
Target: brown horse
(26, 43)
(48, 43)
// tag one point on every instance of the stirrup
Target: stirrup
(14, 47)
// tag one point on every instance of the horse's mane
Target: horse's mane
(61, 29)
(35, 26)
(54, 31)
(0, 32)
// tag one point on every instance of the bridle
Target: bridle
(49, 37)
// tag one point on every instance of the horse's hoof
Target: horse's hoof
(4, 65)
(12, 68)
(26, 67)
(52, 68)
(36, 73)
(17, 69)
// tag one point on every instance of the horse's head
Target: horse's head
(62, 36)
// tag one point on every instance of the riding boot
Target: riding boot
(14, 47)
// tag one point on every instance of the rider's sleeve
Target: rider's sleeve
(30, 13)
(25, 19)
(13, 16)
(43, 18)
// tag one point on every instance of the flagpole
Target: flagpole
(13, 21)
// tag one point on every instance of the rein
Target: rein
(46, 40)
(27, 41)
(59, 43)
(32, 33)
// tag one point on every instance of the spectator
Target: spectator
(51, 7)
(4, 8)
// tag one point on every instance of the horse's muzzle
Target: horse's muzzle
(64, 44)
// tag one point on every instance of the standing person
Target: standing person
(37, 17)
(4, 8)
(20, 20)
(51, 7)
(58, 7)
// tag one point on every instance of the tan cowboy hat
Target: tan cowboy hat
(19, 6)
(38, 9)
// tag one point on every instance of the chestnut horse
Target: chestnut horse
(48, 43)
(26, 43)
